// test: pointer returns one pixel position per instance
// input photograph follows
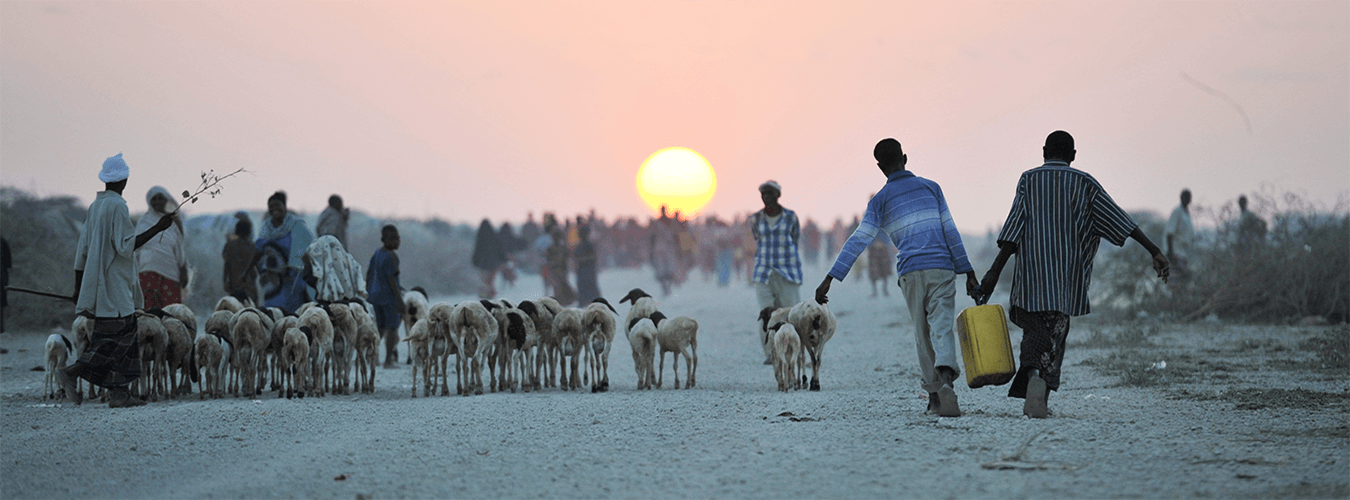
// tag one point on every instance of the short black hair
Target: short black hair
(1057, 143)
(888, 152)
(279, 196)
(243, 228)
(335, 201)
(387, 230)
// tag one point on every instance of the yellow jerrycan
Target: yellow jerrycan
(985, 348)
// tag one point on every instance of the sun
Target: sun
(679, 178)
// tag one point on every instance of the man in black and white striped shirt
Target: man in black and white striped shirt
(1058, 218)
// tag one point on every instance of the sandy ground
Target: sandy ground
(1239, 411)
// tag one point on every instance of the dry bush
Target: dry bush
(42, 235)
(1299, 272)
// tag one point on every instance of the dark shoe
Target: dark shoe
(70, 384)
(1037, 395)
(123, 399)
(932, 404)
(947, 405)
(391, 365)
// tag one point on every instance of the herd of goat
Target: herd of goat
(531, 345)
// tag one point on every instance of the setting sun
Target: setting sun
(678, 178)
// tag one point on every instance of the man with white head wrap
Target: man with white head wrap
(162, 262)
(110, 294)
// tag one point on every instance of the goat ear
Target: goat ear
(602, 300)
(69, 347)
(505, 303)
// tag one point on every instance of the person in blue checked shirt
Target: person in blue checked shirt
(913, 213)
(778, 266)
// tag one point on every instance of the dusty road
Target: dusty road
(1237, 412)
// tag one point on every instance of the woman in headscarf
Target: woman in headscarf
(488, 257)
(282, 239)
(161, 263)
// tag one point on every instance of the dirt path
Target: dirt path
(1237, 412)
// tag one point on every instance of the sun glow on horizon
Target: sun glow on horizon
(679, 178)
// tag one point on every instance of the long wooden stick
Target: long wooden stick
(40, 292)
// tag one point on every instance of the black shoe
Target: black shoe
(123, 399)
(1037, 397)
(932, 404)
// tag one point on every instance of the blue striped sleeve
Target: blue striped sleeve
(960, 263)
(857, 243)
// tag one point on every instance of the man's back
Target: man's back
(1058, 218)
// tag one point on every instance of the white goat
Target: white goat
(643, 306)
(178, 356)
(475, 331)
(418, 305)
(767, 317)
(518, 341)
(570, 332)
(320, 347)
(212, 354)
(83, 330)
(419, 349)
(231, 304)
(642, 338)
(678, 336)
(58, 351)
(598, 321)
(249, 334)
(153, 341)
(787, 352)
(443, 340)
(543, 329)
(815, 325)
(549, 346)
(344, 338)
(294, 361)
(367, 349)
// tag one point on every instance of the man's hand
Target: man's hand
(988, 284)
(824, 289)
(972, 285)
(164, 223)
(1162, 266)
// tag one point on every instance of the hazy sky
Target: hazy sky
(465, 110)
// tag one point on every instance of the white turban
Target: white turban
(114, 169)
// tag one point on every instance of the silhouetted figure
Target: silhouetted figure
(665, 251)
(555, 259)
(488, 257)
(588, 284)
(385, 293)
(1251, 227)
(5, 262)
(811, 241)
(1180, 237)
(240, 276)
(1058, 218)
(333, 220)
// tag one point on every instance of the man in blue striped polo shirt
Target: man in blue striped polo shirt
(913, 212)
(1058, 218)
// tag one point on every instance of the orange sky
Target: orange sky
(465, 110)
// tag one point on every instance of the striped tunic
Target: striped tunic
(912, 212)
(1057, 221)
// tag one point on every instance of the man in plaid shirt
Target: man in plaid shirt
(778, 268)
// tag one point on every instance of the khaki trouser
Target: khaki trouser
(778, 292)
(931, 297)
